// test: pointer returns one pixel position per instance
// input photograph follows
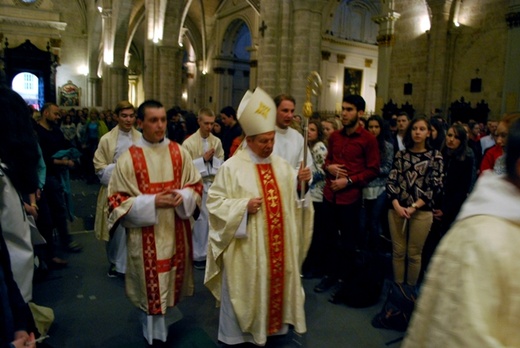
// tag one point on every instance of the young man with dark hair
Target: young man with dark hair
(175, 129)
(402, 121)
(352, 162)
(231, 130)
(153, 192)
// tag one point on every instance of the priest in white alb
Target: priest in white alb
(256, 240)
(110, 147)
(289, 143)
(153, 191)
(208, 155)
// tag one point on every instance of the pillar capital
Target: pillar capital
(391, 16)
(386, 40)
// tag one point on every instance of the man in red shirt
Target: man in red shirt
(352, 161)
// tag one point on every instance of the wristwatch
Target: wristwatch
(414, 205)
(349, 180)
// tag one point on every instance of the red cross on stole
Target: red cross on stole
(152, 265)
(275, 232)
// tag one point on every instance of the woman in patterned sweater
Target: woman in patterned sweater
(413, 185)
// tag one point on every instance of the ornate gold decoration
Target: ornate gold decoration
(263, 110)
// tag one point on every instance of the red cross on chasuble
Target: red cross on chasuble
(153, 266)
(275, 234)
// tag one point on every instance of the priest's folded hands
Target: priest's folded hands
(168, 199)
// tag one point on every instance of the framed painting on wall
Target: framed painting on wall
(69, 94)
(352, 81)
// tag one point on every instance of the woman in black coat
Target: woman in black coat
(459, 176)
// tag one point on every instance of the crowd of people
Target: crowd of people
(237, 194)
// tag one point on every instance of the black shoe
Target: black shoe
(112, 273)
(339, 293)
(325, 284)
(199, 264)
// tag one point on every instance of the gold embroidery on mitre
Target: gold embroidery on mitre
(263, 110)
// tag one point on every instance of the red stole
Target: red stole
(275, 232)
(153, 266)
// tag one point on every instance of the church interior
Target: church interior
(425, 56)
(454, 58)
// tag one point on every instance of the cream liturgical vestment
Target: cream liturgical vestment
(254, 260)
(471, 295)
(110, 147)
(197, 146)
(288, 144)
(159, 270)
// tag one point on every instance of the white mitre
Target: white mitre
(257, 112)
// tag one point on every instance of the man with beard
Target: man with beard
(352, 161)
(51, 141)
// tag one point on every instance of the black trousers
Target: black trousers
(53, 211)
(341, 224)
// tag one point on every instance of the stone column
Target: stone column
(169, 75)
(93, 96)
(275, 46)
(114, 85)
(438, 50)
(150, 71)
(289, 45)
(133, 97)
(306, 55)
(511, 90)
(385, 41)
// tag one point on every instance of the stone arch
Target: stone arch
(234, 32)
(192, 33)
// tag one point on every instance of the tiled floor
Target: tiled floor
(91, 309)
